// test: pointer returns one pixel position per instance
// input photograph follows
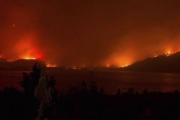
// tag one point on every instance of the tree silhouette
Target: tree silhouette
(30, 80)
(46, 93)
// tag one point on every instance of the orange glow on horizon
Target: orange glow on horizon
(126, 65)
(74, 68)
(32, 55)
(13, 25)
(155, 55)
(28, 49)
(51, 65)
(122, 61)
(168, 53)
(9, 60)
(30, 58)
(107, 65)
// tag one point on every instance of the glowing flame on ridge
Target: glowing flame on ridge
(51, 65)
(29, 58)
(168, 53)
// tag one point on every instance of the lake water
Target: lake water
(109, 80)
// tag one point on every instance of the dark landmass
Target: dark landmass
(20, 64)
(82, 104)
(26, 65)
(161, 63)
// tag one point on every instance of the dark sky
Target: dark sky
(89, 32)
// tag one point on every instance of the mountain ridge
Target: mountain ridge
(162, 63)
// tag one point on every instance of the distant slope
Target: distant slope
(20, 64)
(160, 63)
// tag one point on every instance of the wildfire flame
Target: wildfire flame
(29, 58)
(74, 68)
(13, 25)
(26, 48)
(51, 65)
(126, 65)
(168, 53)
(107, 65)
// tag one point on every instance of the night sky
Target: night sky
(88, 32)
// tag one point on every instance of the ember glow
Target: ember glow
(168, 53)
(13, 25)
(74, 68)
(171, 52)
(51, 65)
(126, 65)
(107, 65)
(29, 58)
(28, 49)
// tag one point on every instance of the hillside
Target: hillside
(20, 64)
(161, 63)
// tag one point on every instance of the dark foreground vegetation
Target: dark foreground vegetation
(83, 102)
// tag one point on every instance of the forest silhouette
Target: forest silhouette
(40, 101)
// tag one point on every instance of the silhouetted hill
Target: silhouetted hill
(3, 60)
(20, 64)
(161, 63)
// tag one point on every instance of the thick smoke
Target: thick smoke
(89, 32)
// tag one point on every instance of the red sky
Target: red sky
(89, 32)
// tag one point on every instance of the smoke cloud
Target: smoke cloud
(89, 32)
